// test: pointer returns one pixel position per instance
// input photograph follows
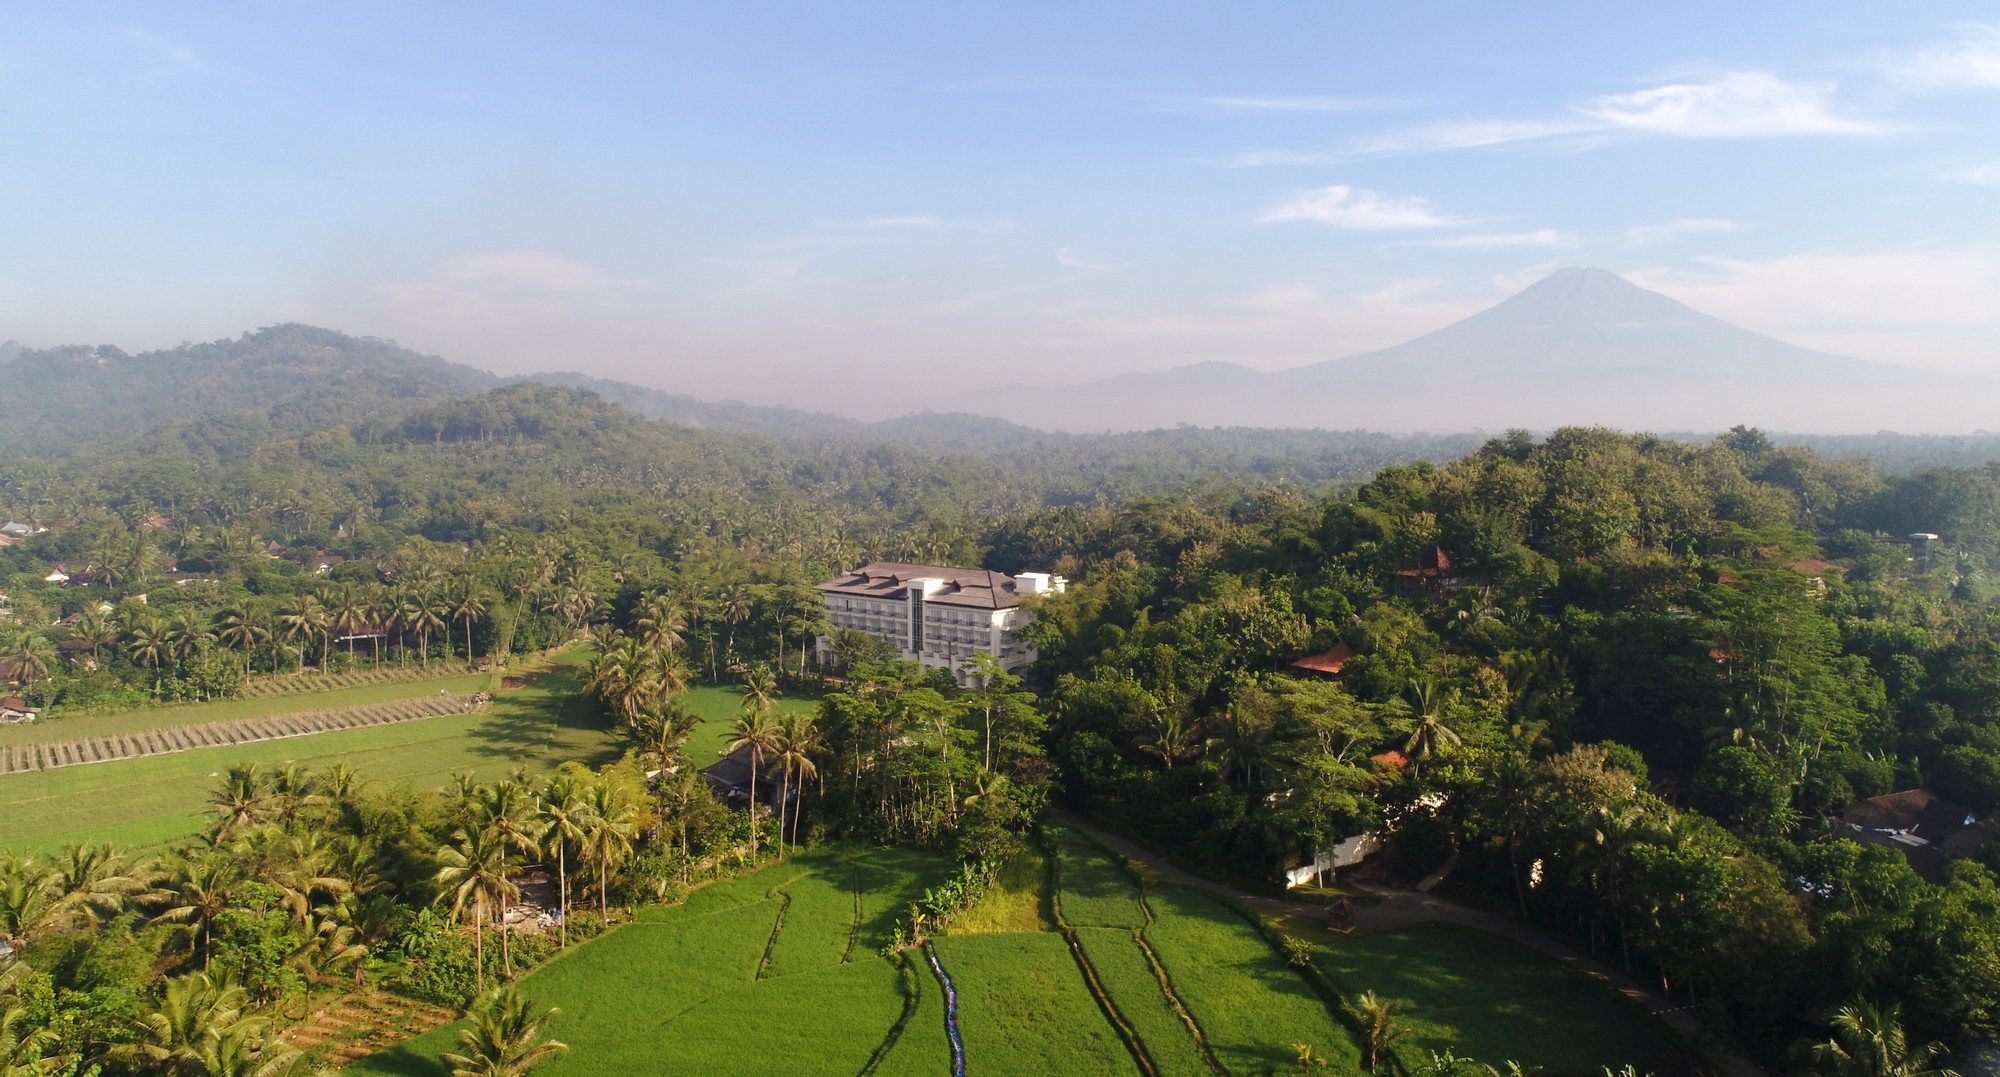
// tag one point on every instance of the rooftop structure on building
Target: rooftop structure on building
(938, 616)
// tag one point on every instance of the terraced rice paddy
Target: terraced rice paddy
(183, 738)
(1491, 999)
(145, 801)
(721, 985)
(781, 971)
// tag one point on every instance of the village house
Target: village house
(1926, 828)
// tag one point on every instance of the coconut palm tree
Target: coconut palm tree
(565, 820)
(756, 732)
(610, 823)
(424, 612)
(1173, 740)
(94, 628)
(239, 630)
(468, 604)
(91, 883)
(146, 644)
(25, 1050)
(242, 799)
(194, 894)
(472, 880)
(505, 1037)
(660, 622)
(302, 619)
(196, 1010)
(27, 900)
(798, 742)
(186, 632)
(32, 654)
(1430, 732)
(328, 951)
(1380, 1028)
(733, 606)
(1869, 1041)
(502, 810)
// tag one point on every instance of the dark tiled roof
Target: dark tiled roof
(1917, 811)
(975, 587)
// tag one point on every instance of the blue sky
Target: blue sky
(824, 204)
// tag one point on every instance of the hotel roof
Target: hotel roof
(975, 587)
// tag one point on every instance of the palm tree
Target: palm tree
(90, 883)
(94, 628)
(1173, 741)
(1430, 735)
(798, 741)
(301, 620)
(146, 642)
(565, 818)
(237, 629)
(27, 900)
(24, 1050)
(1869, 1041)
(241, 800)
(472, 878)
(505, 1038)
(468, 604)
(502, 811)
(186, 632)
(756, 732)
(196, 1010)
(329, 949)
(1380, 1029)
(610, 823)
(424, 613)
(660, 622)
(193, 894)
(32, 654)
(733, 606)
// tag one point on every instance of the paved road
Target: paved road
(1404, 908)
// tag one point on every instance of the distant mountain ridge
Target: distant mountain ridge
(1581, 346)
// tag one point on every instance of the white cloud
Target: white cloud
(1986, 175)
(1297, 103)
(1926, 307)
(168, 54)
(1540, 237)
(1470, 134)
(1071, 258)
(1971, 59)
(1738, 104)
(1643, 234)
(924, 222)
(1269, 158)
(1342, 206)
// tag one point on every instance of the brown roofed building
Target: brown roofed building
(1329, 663)
(1928, 829)
(936, 615)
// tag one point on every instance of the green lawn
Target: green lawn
(1496, 1001)
(1024, 1008)
(678, 991)
(717, 706)
(143, 802)
(83, 726)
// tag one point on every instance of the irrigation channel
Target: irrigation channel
(950, 1014)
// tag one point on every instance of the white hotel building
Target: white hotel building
(940, 617)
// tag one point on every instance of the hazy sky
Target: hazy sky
(826, 204)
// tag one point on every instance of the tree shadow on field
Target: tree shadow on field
(527, 722)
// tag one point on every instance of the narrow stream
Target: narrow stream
(950, 1014)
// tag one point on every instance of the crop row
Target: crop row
(285, 684)
(222, 734)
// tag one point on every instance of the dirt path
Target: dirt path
(1405, 908)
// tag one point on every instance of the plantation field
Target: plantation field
(125, 723)
(147, 801)
(1023, 1007)
(1129, 979)
(717, 706)
(752, 974)
(1494, 1000)
(1095, 891)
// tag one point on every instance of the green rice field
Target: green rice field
(689, 989)
(147, 801)
(717, 706)
(781, 970)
